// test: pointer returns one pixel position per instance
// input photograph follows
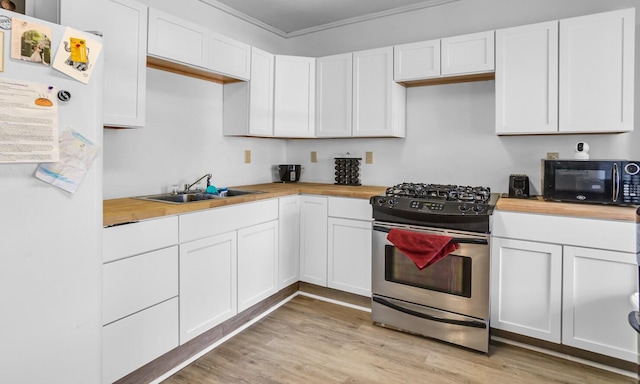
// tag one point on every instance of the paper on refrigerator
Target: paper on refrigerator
(28, 122)
(77, 154)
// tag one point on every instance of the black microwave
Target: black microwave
(592, 181)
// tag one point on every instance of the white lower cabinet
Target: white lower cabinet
(134, 341)
(289, 243)
(208, 284)
(257, 263)
(565, 280)
(140, 295)
(526, 288)
(349, 245)
(596, 289)
(349, 256)
(335, 243)
(313, 240)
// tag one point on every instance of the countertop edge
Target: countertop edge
(129, 209)
(590, 211)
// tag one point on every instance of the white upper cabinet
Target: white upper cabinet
(416, 61)
(176, 39)
(527, 79)
(467, 54)
(248, 107)
(200, 51)
(334, 87)
(379, 104)
(229, 57)
(597, 72)
(294, 103)
(571, 76)
(124, 50)
(125, 75)
(441, 58)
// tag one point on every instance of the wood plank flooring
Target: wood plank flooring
(312, 341)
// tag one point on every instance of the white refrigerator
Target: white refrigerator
(50, 241)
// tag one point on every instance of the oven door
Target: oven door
(458, 283)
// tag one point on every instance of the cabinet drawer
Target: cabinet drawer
(134, 341)
(348, 208)
(131, 239)
(614, 235)
(139, 282)
(216, 221)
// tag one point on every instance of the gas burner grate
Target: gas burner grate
(445, 192)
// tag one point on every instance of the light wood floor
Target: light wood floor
(311, 341)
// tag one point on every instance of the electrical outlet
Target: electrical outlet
(553, 155)
(314, 156)
(247, 156)
(369, 157)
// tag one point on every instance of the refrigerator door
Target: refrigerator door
(50, 244)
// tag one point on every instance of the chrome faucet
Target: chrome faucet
(187, 187)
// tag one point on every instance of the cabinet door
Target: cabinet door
(334, 76)
(208, 284)
(125, 73)
(261, 93)
(132, 342)
(313, 240)
(248, 106)
(527, 79)
(176, 39)
(289, 243)
(294, 108)
(597, 72)
(596, 289)
(257, 263)
(526, 284)
(125, 52)
(467, 54)
(349, 256)
(228, 56)
(416, 61)
(378, 102)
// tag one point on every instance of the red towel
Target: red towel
(424, 249)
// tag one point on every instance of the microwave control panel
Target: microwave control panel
(631, 183)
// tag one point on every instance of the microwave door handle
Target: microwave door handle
(616, 183)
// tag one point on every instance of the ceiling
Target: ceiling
(289, 18)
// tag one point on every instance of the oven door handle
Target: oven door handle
(459, 240)
(464, 323)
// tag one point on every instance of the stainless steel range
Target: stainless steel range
(448, 300)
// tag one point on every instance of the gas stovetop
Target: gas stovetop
(457, 193)
(436, 205)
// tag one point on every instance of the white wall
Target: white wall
(182, 140)
(450, 128)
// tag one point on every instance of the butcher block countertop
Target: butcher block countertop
(124, 210)
(592, 211)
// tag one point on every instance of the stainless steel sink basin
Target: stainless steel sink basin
(191, 197)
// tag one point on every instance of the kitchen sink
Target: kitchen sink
(190, 197)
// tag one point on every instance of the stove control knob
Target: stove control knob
(393, 201)
(463, 208)
(382, 200)
(478, 208)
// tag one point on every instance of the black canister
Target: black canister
(289, 173)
